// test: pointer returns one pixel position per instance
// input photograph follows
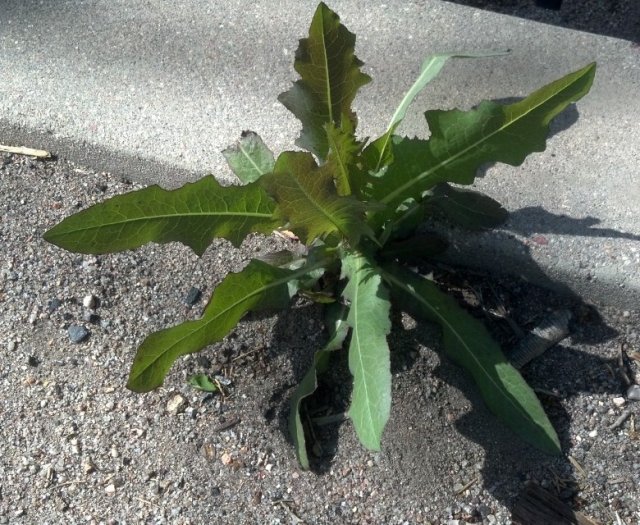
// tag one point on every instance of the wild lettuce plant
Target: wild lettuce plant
(355, 205)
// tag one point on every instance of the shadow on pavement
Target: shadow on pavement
(616, 18)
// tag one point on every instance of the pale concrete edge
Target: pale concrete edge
(506, 250)
(97, 158)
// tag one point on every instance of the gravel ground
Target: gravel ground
(79, 448)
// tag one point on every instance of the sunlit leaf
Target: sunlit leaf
(461, 141)
(194, 215)
(258, 286)
(249, 158)
(429, 70)
(343, 150)
(308, 199)
(330, 78)
(202, 382)
(369, 361)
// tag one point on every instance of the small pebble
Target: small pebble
(77, 334)
(54, 304)
(619, 401)
(90, 302)
(634, 393)
(176, 404)
(193, 296)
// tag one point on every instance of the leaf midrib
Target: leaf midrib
(250, 159)
(326, 68)
(173, 216)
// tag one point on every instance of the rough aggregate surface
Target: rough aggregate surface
(77, 447)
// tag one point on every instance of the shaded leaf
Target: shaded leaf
(258, 286)
(307, 198)
(202, 382)
(338, 329)
(415, 248)
(467, 208)
(461, 141)
(194, 215)
(369, 361)
(319, 297)
(249, 158)
(330, 78)
(468, 343)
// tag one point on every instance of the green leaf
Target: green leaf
(429, 70)
(469, 344)
(369, 361)
(249, 158)
(202, 382)
(331, 77)
(194, 214)
(338, 329)
(467, 208)
(461, 141)
(258, 286)
(343, 151)
(307, 198)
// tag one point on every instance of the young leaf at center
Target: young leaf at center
(308, 199)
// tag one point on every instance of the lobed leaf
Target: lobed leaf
(194, 215)
(307, 198)
(249, 158)
(469, 344)
(258, 286)
(338, 329)
(429, 70)
(369, 360)
(330, 78)
(461, 141)
(467, 208)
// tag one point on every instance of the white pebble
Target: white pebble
(593, 433)
(89, 302)
(619, 401)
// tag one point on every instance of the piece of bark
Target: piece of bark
(538, 507)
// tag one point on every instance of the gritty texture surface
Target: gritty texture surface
(79, 448)
(156, 91)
